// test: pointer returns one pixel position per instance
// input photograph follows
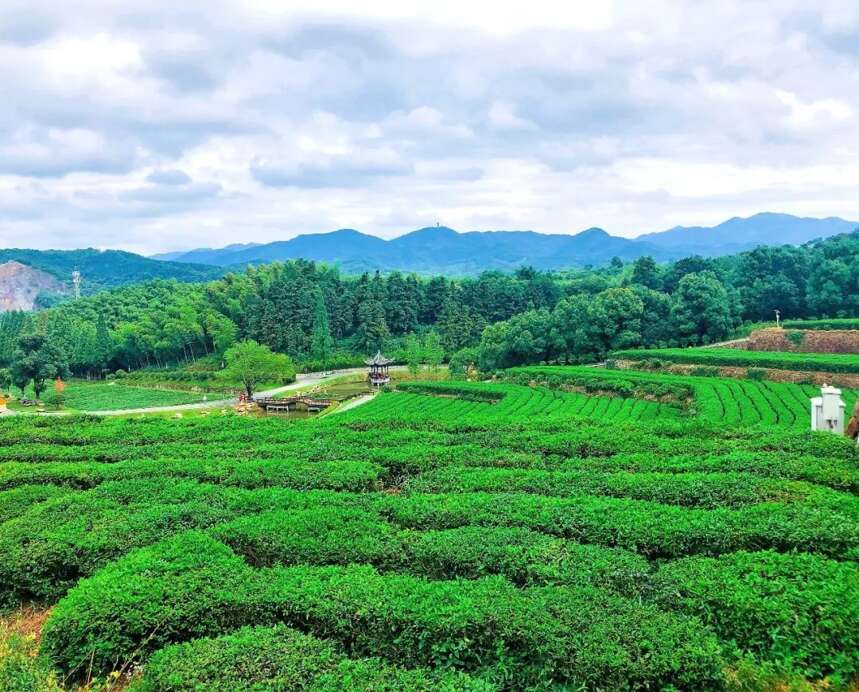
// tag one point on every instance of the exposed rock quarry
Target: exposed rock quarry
(20, 285)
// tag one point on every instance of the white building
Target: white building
(827, 411)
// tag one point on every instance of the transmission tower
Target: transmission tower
(76, 281)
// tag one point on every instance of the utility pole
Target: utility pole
(777, 318)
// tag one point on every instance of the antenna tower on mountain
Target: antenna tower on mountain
(76, 282)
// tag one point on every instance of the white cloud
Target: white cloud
(202, 124)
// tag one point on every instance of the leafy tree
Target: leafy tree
(401, 304)
(645, 273)
(615, 319)
(434, 297)
(702, 311)
(433, 351)
(571, 322)
(414, 353)
(463, 361)
(253, 364)
(103, 343)
(5, 379)
(492, 355)
(38, 360)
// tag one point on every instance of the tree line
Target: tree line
(317, 316)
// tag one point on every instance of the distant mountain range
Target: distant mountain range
(443, 250)
(30, 278)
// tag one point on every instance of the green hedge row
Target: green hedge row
(281, 658)
(706, 490)
(460, 390)
(191, 586)
(799, 610)
(834, 324)
(337, 535)
(827, 524)
(594, 380)
(45, 550)
(248, 473)
(19, 500)
(818, 362)
(834, 473)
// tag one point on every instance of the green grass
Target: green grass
(81, 395)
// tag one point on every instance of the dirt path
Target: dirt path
(352, 403)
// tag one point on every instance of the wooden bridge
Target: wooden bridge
(293, 403)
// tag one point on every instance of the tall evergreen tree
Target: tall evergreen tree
(103, 344)
(372, 329)
(321, 343)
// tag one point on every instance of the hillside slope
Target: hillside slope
(21, 286)
(105, 268)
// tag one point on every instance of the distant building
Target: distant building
(378, 374)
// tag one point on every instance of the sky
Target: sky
(155, 125)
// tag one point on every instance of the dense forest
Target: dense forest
(321, 318)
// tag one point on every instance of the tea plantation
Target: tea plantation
(610, 530)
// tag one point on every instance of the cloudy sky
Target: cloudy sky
(156, 125)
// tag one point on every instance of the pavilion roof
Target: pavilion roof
(378, 359)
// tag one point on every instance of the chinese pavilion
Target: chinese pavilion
(378, 374)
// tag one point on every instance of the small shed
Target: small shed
(378, 375)
(827, 411)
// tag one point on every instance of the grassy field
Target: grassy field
(454, 536)
(82, 395)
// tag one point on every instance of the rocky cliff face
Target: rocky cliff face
(20, 285)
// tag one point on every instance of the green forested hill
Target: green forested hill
(107, 268)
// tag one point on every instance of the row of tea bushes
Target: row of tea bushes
(716, 401)
(796, 610)
(339, 535)
(45, 550)
(191, 586)
(690, 489)
(779, 360)
(282, 658)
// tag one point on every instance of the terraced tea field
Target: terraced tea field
(714, 399)
(779, 360)
(451, 536)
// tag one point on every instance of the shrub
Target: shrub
(704, 371)
(756, 374)
(798, 610)
(282, 658)
(191, 586)
(795, 337)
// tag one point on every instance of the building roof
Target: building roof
(378, 359)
